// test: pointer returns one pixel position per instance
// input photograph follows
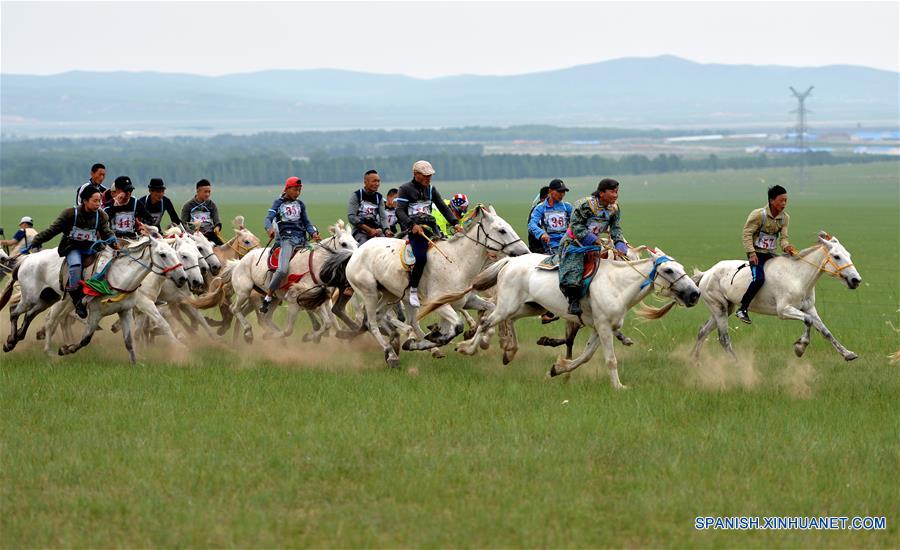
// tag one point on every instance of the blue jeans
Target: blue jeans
(74, 260)
(288, 244)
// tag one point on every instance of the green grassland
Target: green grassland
(292, 444)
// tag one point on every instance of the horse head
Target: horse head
(189, 256)
(164, 258)
(207, 253)
(343, 236)
(672, 278)
(838, 262)
(493, 232)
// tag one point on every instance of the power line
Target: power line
(801, 130)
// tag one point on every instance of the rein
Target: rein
(488, 239)
(827, 261)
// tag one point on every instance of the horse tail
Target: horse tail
(697, 276)
(652, 313)
(212, 298)
(483, 281)
(7, 292)
(313, 297)
(334, 270)
(228, 270)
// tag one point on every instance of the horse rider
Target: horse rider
(124, 212)
(22, 238)
(765, 228)
(366, 210)
(81, 227)
(534, 244)
(155, 203)
(550, 218)
(593, 215)
(288, 224)
(414, 201)
(459, 205)
(202, 211)
(390, 211)
(98, 174)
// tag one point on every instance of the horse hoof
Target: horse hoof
(392, 360)
(7, 347)
(626, 341)
(222, 330)
(434, 337)
(469, 334)
(542, 341)
(407, 345)
(436, 353)
(799, 349)
(850, 356)
(553, 372)
(62, 351)
(40, 334)
(248, 336)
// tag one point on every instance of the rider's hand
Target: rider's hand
(271, 233)
(25, 249)
(545, 238)
(791, 250)
(316, 237)
(622, 249)
(457, 228)
(753, 259)
(388, 233)
(417, 230)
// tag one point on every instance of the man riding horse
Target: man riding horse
(593, 215)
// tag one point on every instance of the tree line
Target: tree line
(46, 170)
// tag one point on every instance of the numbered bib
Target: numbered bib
(598, 226)
(421, 208)
(155, 218)
(202, 217)
(391, 218)
(290, 211)
(367, 210)
(123, 222)
(766, 241)
(555, 222)
(81, 235)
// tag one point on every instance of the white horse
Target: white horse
(377, 275)
(39, 276)
(252, 275)
(525, 291)
(789, 291)
(157, 288)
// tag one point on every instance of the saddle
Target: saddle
(275, 252)
(591, 262)
(88, 268)
(407, 259)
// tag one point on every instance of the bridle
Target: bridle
(489, 239)
(239, 248)
(149, 267)
(827, 261)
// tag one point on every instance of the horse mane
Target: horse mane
(333, 272)
(468, 219)
(172, 231)
(138, 244)
(807, 251)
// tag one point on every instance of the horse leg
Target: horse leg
(56, 314)
(721, 313)
(370, 301)
(125, 321)
(803, 341)
(790, 312)
(418, 343)
(620, 336)
(90, 327)
(572, 329)
(509, 341)
(563, 366)
(609, 353)
(199, 319)
(339, 310)
(240, 300)
(701, 336)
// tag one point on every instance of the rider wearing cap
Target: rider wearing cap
(22, 237)
(81, 227)
(550, 218)
(765, 227)
(414, 202)
(98, 174)
(593, 215)
(366, 210)
(202, 211)
(152, 206)
(288, 224)
(124, 211)
(459, 205)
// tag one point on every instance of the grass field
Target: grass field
(291, 444)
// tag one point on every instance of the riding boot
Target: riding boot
(77, 296)
(573, 293)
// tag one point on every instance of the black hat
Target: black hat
(123, 183)
(156, 184)
(558, 185)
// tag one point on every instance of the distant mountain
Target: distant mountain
(629, 92)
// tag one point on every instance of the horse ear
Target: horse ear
(490, 209)
(824, 236)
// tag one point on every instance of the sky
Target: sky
(434, 39)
